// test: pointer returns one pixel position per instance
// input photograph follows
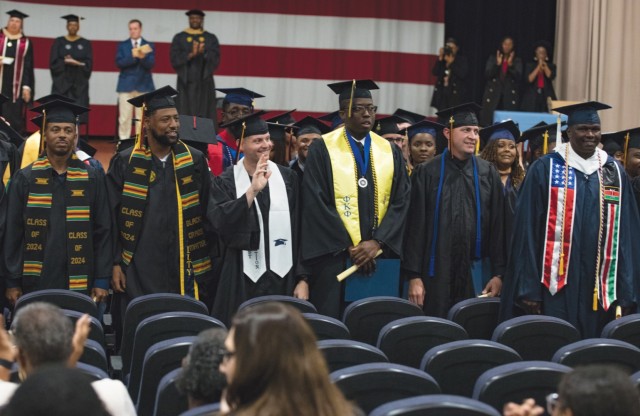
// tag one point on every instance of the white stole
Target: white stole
(280, 244)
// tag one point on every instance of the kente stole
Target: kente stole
(345, 178)
(193, 251)
(78, 223)
(559, 228)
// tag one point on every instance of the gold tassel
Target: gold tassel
(42, 130)
(244, 126)
(595, 298)
(561, 268)
(353, 88)
(139, 137)
(618, 312)
(451, 121)
(478, 146)
(626, 149)
(545, 145)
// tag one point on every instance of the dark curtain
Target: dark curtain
(480, 25)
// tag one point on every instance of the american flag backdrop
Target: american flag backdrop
(287, 50)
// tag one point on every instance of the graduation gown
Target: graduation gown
(70, 80)
(455, 246)
(197, 96)
(155, 264)
(502, 91)
(324, 239)
(574, 302)
(295, 166)
(12, 110)
(238, 228)
(54, 272)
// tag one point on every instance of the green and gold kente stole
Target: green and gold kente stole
(193, 252)
(78, 222)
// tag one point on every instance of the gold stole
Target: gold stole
(345, 178)
(31, 150)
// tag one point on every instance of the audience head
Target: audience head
(201, 379)
(272, 364)
(42, 334)
(597, 390)
(55, 391)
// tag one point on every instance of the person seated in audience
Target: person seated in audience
(44, 336)
(201, 379)
(593, 390)
(56, 391)
(273, 367)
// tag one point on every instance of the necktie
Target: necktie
(136, 43)
(361, 147)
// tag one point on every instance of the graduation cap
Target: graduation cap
(17, 13)
(461, 115)
(507, 130)
(155, 100)
(278, 131)
(240, 96)
(582, 113)
(311, 125)
(52, 97)
(57, 111)
(283, 118)
(387, 125)
(86, 147)
(408, 116)
(536, 135)
(72, 18)
(199, 132)
(246, 126)
(197, 12)
(349, 90)
(333, 118)
(7, 132)
(621, 141)
(424, 126)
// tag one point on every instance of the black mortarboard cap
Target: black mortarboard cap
(52, 97)
(240, 96)
(333, 118)
(535, 134)
(311, 125)
(507, 129)
(613, 142)
(387, 125)
(58, 111)
(72, 18)
(277, 131)
(86, 147)
(582, 113)
(424, 126)
(197, 130)
(634, 138)
(408, 116)
(253, 124)
(17, 13)
(462, 115)
(197, 12)
(155, 100)
(283, 118)
(361, 88)
(11, 135)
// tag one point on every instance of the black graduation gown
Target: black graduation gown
(54, 273)
(574, 302)
(635, 182)
(534, 99)
(238, 228)
(455, 249)
(455, 93)
(324, 239)
(510, 200)
(70, 80)
(155, 264)
(501, 92)
(295, 166)
(12, 111)
(197, 96)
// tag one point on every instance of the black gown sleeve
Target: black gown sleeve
(114, 184)
(17, 193)
(417, 237)
(102, 232)
(497, 252)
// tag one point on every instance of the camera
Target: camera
(448, 50)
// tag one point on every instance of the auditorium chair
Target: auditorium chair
(343, 353)
(371, 385)
(435, 404)
(535, 337)
(96, 332)
(62, 298)
(148, 305)
(457, 365)
(161, 327)
(95, 355)
(518, 381)
(478, 316)
(404, 341)
(326, 327)
(169, 401)
(600, 351)
(94, 373)
(159, 360)
(300, 304)
(625, 329)
(635, 379)
(366, 317)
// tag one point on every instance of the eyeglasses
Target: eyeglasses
(552, 402)
(360, 109)
(239, 112)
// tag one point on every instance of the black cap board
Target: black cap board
(58, 111)
(277, 131)
(333, 118)
(535, 134)
(86, 147)
(197, 130)
(197, 12)
(283, 118)
(72, 18)
(17, 13)
(311, 125)
(408, 116)
(240, 96)
(10, 134)
(253, 124)
(361, 89)
(460, 115)
(582, 113)
(387, 125)
(155, 100)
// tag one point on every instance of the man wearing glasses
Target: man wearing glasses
(354, 198)
(237, 103)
